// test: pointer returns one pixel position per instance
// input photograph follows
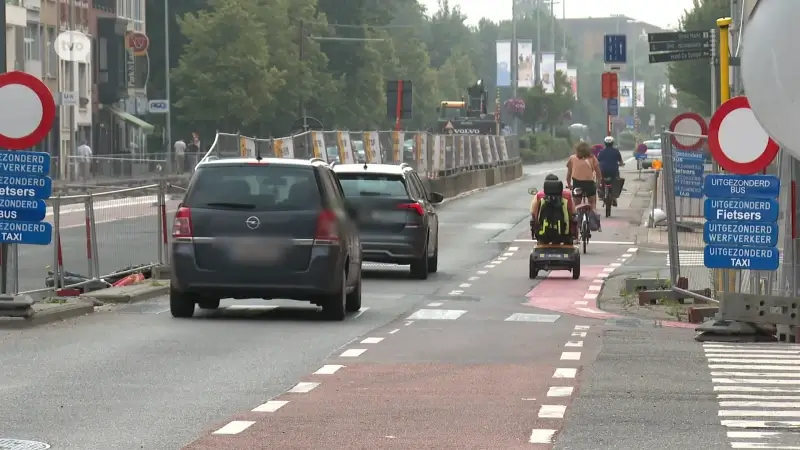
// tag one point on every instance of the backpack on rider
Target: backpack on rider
(553, 219)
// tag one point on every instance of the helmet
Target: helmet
(609, 140)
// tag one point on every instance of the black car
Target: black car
(396, 217)
(265, 228)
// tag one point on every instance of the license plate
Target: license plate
(384, 216)
(264, 250)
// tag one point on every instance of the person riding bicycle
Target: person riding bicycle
(582, 171)
(551, 208)
(610, 159)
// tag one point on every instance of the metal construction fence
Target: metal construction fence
(432, 155)
(97, 237)
(116, 166)
(680, 191)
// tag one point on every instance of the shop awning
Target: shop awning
(146, 127)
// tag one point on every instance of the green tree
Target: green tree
(692, 79)
(224, 78)
(546, 109)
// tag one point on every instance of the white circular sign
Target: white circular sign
(25, 116)
(741, 136)
(73, 46)
(770, 65)
(688, 126)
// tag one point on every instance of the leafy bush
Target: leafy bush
(543, 148)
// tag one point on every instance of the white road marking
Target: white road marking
(501, 258)
(763, 424)
(752, 434)
(756, 413)
(270, 406)
(541, 436)
(728, 359)
(783, 390)
(602, 275)
(757, 397)
(456, 292)
(759, 404)
(464, 285)
(482, 272)
(589, 296)
(372, 340)
(615, 265)
(524, 317)
(437, 314)
(473, 278)
(581, 303)
(513, 249)
(489, 266)
(565, 373)
(754, 356)
(508, 254)
(626, 255)
(394, 331)
(552, 411)
(560, 391)
(578, 334)
(235, 427)
(303, 387)
(353, 352)
(599, 281)
(595, 287)
(435, 304)
(633, 250)
(570, 356)
(360, 312)
(590, 310)
(328, 369)
(574, 344)
(755, 374)
(582, 327)
(609, 269)
(409, 322)
(751, 367)
(741, 352)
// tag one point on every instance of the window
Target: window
(257, 187)
(83, 80)
(653, 145)
(51, 62)
(373, 185)
(32, 43)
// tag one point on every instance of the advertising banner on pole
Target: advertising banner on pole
(503, 63)
(526, 63)
(548, 72)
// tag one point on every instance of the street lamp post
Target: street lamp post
(168, 128)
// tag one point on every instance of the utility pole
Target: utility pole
(514, 59)
(537, 67)
(564, 29)
(303, 58)
(4, 249)
(71, 86)
(552, 27)
(168, 126)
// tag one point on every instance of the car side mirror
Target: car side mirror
(533, 191)
(435, 198)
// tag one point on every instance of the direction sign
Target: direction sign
(613, 106)
(678, 36)
(737, 141)
(689, 170)
(741, 210)
(688, 124)
(738, 186)
(615, 49)
(678, 46)
(752, 234)
(31, 118)
(35, 233)
(750, 258)
(21, 209)
(687, 55)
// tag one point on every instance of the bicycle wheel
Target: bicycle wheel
(585, 232)
(608, 203)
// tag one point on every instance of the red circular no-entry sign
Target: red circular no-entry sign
(29, 112)
(688, 123)
(737, 141)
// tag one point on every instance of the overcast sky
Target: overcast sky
(657, 12)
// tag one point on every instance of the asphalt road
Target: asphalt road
(133, 378)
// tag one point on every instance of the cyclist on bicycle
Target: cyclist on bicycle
(536, 204)
(610, 159)
(582, 171)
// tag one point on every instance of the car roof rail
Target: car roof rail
(404, 165)
(315, 159)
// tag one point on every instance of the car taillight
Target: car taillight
(182, 226)
(416, 207)
(327, 227)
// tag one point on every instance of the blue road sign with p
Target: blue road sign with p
(736, 186)
(613, 106)
(615, 49)
(24, 187)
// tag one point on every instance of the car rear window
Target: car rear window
(373, 185)
(258, 187)
(653, 145)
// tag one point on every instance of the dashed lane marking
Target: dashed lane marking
(328, 369)
(437, 314)
(270, 406)
(303, 387)
(541, 318)
(372, 340)
(235, 427)
(353, 353)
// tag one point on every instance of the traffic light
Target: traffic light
(398, 90)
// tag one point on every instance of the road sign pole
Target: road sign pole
(168, 126)
(728, 277)
(3, 247)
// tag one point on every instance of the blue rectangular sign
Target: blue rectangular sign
(690, 170)
(24, 163)
(22, 186)
(688, 191)
(34, 233)
(22, 209)
(689, 182)
(615, 49)
(732, 233)
(737, 186)
(750, 258)
(691, 156)
(741, 210)
(612, 105)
